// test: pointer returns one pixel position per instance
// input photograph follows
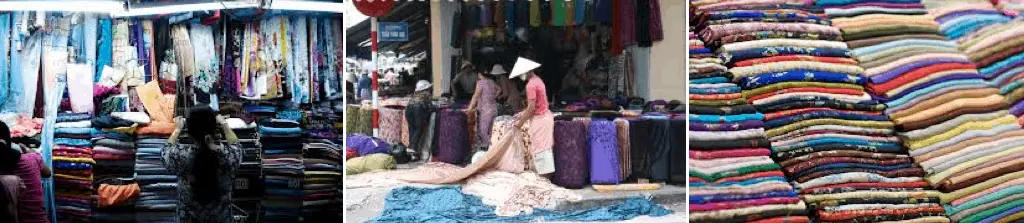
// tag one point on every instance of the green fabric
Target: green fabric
(737, 172)
(985, 214)
(369, 163)
(558, 12)
(1006, 192)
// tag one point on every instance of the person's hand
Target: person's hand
(179, 123)
(221, 120)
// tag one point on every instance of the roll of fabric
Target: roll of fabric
(604, 153)
(572, 162)
(453, 137)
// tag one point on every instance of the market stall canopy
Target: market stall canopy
(414, 13)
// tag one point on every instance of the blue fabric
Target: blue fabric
(725, 118)
(5, 36)
(952, 77)
(740, 55)
(709, 80)
(1006, 89)
(832, 140)
(965, 25)
(847, 2)
(774, 123)
(725, 90)
(852, 165)
(73, 117)
(762, 80)
(702, 199)
(105, 47)
(905, 42)
(72, 142)
(15, 91)
(75, 131)
(279, 131)
(449, 205)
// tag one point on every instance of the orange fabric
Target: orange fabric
(159, 108)
(157, 128)
(110, 195)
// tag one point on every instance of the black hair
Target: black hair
(9, 159)
(5, 132)
(201, 124)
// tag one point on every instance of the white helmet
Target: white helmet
(422, 85)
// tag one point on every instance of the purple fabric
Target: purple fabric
(570, 150)
(881, 4)
(604, 153)
(1017, 109)
(656, 32)
(365, 145)
(963, 76)
(732, 126)
(892, 74)
(1003, 214)
(627, 22)
(453, 137)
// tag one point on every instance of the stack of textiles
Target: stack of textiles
(731, 173)
(281, 140)
(248, 187)
(114, 152)
(924, 82)
(997, 50)
(73, 168)
(322, 162)
(158, 199)
(976, 157)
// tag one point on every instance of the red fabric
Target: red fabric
(786, 113)
(731, 153)
(741, 177)
(915, 75)
(616, 31)
(715, 206)
(772, 59)
(350, 153)
(845, 91)
(848, 215)
(715, 96)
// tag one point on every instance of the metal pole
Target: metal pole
(373, 70)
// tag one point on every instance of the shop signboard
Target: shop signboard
(393, 31)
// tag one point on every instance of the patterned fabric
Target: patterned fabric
(178, 158)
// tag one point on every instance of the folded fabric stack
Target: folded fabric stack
(978, 158)
(114, 152)
(997, 50)
(732, 177)
(73, 168)
(281, 140)
(871, 177)
(248, 187)
(158, 199)
(322, 163)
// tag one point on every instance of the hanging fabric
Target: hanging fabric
(206, 73)
(655, 20)
(105, 47)
(580, 14)
(558, 12)
(535, 13)
(299, 79)
(6, 48)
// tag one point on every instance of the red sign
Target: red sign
(374, 8)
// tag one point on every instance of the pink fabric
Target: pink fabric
(744, 203)
(542, 133)
(538, 92)
(30, 208)
(729, 153)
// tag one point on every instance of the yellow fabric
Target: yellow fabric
(74, 160)
(972, 125)
(535, 13)
(788, 85)
(827, 121)
(814, 198)
(936, 179)
(626, 187)
(1011, 218)
(931, 219)
(369, 163)
(950, 106)
(950, 197)
(124, 130)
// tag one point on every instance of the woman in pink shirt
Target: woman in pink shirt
(30, 170)
(537, 114)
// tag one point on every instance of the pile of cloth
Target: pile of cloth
(322, 164)
(283, 169)
(878, 179)
(114, 152)
(731, 173)
(73, 168)
(976, 157)
(996, 47)
(158, 200)
(248, 189)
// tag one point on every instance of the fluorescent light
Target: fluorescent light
(180, 8)
(334, 7)
(67, 6)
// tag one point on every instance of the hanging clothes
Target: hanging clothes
(642, 22)
(628, 17)
(5, 73)
(558, 12)
(580, 14)
(616, 35)
(105, 47)
(299, 78)
(655, 20)
(535, 17)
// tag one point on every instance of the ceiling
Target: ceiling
(415, 13)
